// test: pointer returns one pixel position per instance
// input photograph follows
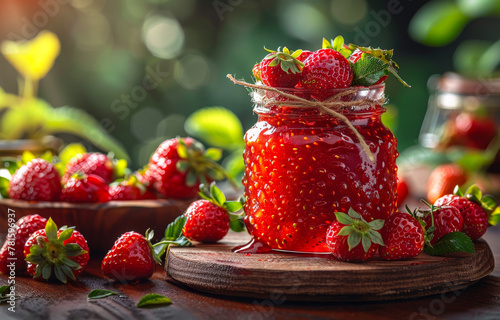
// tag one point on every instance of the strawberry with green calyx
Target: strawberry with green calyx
(131, 258)
(130, 189)
(337, 44)
(487, 203)
(209, 219)
(62, 253)
(280, 69)
(373, 65)
(351, 238)
(180, 165)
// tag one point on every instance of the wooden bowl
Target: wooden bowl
(100, 223)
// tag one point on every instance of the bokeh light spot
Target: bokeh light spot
(303, 20)
(144, 122)
(192, 71)
(163, 36)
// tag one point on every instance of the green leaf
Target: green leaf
(4, 289)
(376, 224)
(4, 188)
(217, 195)
(216, 126)
(474, 161)
(66, 234)
(437, 23)
(191, 178)
(345, 231)
(27, 156)
(353, 214)
(488, 203)
(344, 218)
(182, 165)
(375, 237)
(326, 44)
(11, 165)
(121, 168)
(338, 43)
(475, 192)
(237, 225)
(368, 70)
(450, 243)
(494, 217)
(174, 229)
(47, 271)
(71, 151)
(100, 293)
(233, 206)
(60, 274)
(51, 230)
(153, 299)
(214, 154)
(457, 191)
(478, 8)
(353, 239)
(366, 242)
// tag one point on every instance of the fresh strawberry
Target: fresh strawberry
(256, 71)
(90, 163)
(403, 237)
(130, 189)
(131, 258)
(281, 69)
(326, 69)
(85, 188)
(443, 180)
(304, 55)
(22, 230)
(179, 166)
(442, 220)
(478, 131)
(402, 190)
(351, 238)
(65, 252)
(208, 220)
(478, 211)
(37, 180)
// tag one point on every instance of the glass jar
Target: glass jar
(302, 165)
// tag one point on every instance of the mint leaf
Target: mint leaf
(153, 299)
(450, 243)
(217, 126)
(368, 70)
(100, 293)
(4, 188)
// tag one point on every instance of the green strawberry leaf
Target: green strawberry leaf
(353, 214)
(233, 206)
(27, 156)
(100, 293)
(450, 243)
(182, 166)
(353, 239)
(457, 191)
(153, 299)
(338, 43)
(344, 218)
(174, 229)
(217, 195)
(474, 193)
(214, 154)
(120, 168)
(376, 224)
(494, 217)
(326, 44)
(366, 242)
(4, 188)
(368, 70)
(4, 289)
(4, 294)
(71, 151)
(11, 164)
(345, 231)
(237, 225)
(173, 236)
(488, 203)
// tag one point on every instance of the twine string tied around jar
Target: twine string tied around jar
(330, 106)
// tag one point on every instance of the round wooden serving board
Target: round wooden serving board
(276, 276)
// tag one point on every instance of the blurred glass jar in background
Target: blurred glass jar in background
(462, 113)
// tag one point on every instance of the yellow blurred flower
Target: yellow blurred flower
(33, 58)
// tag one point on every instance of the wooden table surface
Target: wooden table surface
(39, 300)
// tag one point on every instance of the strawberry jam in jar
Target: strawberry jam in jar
(302, 165)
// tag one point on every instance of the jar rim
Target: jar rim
(334, 90)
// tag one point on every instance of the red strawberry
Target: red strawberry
(65, 252)
(90, 163)
(130, 189)
(479, 131)
(403, 237)
(281, 69)
(402, 190)
(22, 230)
(326, 69)
(304, 55)
(446, 219)
(443, 180)
(474, 217)
(131, 258)
(85, 188)
(37, 180)
(256, 71)
(351, 238)
(208, 220)
(178, 166)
